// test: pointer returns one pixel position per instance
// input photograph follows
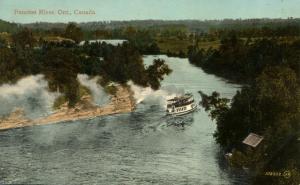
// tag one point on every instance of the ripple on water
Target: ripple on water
(143, 147)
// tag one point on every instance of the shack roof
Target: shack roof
(253, 140)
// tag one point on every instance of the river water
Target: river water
(142, 147)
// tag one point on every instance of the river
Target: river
(142, 147)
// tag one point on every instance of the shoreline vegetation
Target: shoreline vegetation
(267, 105)
(122, 102)
(62, 58)
(263, 54)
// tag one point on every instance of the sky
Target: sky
(106, 10)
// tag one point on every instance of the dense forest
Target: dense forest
(61, 61)
(267, 105)
(242, 60)
(168, 37)
(9, 27)
(191, 25)
(261, 54)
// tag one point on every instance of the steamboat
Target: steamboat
(181, 105)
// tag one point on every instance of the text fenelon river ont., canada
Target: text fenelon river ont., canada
(53, 12)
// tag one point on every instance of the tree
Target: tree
(130, 32)
(24, 39)
(61, 67)
(73, 32)
(9, 69)
(214, 103)
(3, 42)
(277, 87)
(156, 72)
(271, 102)
(269, 107)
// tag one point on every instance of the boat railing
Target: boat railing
(179, 104)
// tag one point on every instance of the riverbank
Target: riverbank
(121, 102)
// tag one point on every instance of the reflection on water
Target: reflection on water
(142, 147)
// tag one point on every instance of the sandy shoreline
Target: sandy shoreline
(121, 102)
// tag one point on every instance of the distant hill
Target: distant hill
(192, 25)
(8, 27)
(45, 25)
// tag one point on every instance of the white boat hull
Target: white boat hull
(182, 110)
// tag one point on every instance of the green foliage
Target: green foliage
(73, 32)
(14, 66)
(214, 104)
(8, 65)
(247, 158)
(83, 91)
(172, 46)
(294, 177)
(156, 72)
(8, 27)
(61, 63)
(110, 89)
(24, 38)
(241, 60)
(3, 42)
(120, 64)
(63, 99)
(102, 34)
(72, 93)
(59, 101)
(269, 107)
(277, 87)
(61, 69)
(288, 175)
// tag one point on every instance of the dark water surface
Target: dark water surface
(143, 147)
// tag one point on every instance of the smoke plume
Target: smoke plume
(30, 94)
(148, 95)
(99, 96)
